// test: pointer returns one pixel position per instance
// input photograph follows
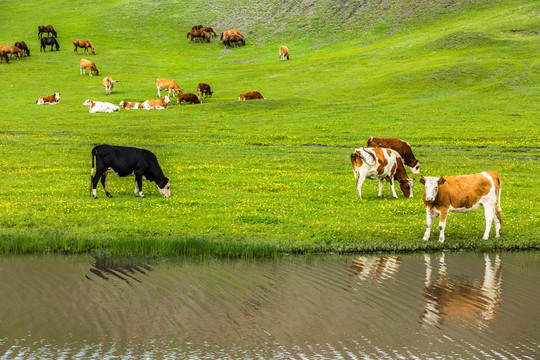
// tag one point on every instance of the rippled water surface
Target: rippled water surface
(431, 306)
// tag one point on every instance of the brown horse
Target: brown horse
(198, 34)
(22, 45)
(197, 27)
(283, 53)
(210, 30)
(234, 38)
(229, 32)
(46, 29)
(12, 50)
(3, 56)
(85, 44)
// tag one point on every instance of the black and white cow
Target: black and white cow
(124, 161)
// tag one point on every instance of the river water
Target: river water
(418, 306)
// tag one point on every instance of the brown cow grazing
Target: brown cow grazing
(233, 38)
(284, 53)
(251, 95)
(109, 84)
(22, 45)
(170, 85)
(204, 89)
(198, 34)
(12, 50)
(402, 147)
(131, 105)
(197, 27)
(229, 32)
(380, 164)
(84, 44)
(49, 100)
(210, 30)
(42, 29)
(189, 98)
(87, 64)
(462, 194)
(156, 103)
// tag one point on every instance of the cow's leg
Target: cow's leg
(158, 93)
(95, 180)
(391, 181)
(489, 212)
(138, 183)
(104, 183)
(359, 182)
(381, 183)
(429, 221)
(442, 224)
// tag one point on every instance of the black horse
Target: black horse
(42, 29)
(22, 45)
(49, 41)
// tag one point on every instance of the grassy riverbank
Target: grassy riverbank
(458, 81)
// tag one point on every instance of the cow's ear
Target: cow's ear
(422, 180)
(441, 181)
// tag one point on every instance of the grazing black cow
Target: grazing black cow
(49, 41)
(124, 161)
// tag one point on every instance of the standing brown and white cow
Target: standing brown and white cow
(462, 194)
(402, 147)
(380, 164)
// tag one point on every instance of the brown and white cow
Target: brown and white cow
(131, 105)
(159, 104)
(204, 89)
(109, 84)
(380, 164)
(462, 194)
(251, 95)
(468, 302)
(87, 64)
(402, 147)
(49, 100)
(169, 85)
(100, 106)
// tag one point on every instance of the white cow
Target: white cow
(100, 107)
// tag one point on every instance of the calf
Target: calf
(50, 100)
(204, 89)
(124, 161)
(251, 95)
(156, 103)
(188, 97)
(109, 84)
(170, 85)
(462, 194)
(380, 164)
(100, 107)
(402, 147)
(131, 105)
(87, 64)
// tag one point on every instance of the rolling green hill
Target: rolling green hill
(457, 79)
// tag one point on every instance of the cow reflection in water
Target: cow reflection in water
(375, 268)
(126, 269)
(465, 302)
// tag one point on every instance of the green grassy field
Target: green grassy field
(457, 80)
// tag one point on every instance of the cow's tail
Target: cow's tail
(363, 150)
(92, 172)
(498, 210)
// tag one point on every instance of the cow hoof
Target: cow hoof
(109, 195)
(425, 239)
(441, 240)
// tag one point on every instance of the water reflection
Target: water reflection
(123, 268)
(374, 268)
(467, 302)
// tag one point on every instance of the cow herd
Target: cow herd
(382, 158)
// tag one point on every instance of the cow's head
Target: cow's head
(89, 103)
(57, 96)
(415, 169)
(166, 99)
(165, 188)
(431, 184)
(407, 187)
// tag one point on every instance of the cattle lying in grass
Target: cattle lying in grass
(204, 89)
(251, 95)
(159, 104)
(462, 194)
(189, 98)
(22, 45)
(100, 107)
(229, 32)
(125, 161)
(402, 147)
(3, 55)
(283, 53)
(109, 84)
(85, 45)
(380, 164)
(131, 105)
(49, 41)
(42, 29)
(12, 50)
(233, 39)
(87, 64)
(198, 34)
(169, 85)
(210, 30)
(49, 100)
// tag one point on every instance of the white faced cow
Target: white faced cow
(462, 194)
(124, 161)
(380, 164)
